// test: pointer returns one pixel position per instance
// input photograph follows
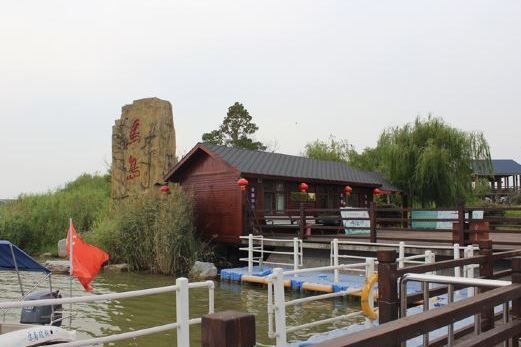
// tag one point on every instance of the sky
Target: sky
(305, 70)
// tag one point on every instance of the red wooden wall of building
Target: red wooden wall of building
(218, 200)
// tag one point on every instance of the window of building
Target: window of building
(274, 196)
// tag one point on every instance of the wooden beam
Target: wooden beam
(493, 337)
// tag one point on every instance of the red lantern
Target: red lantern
(242, 183)
(303, 187)
(164, 189)
(348, 189)
(377, 191)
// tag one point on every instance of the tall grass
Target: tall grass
(36, 222)
(153, 232)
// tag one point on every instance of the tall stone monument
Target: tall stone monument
(143, 146)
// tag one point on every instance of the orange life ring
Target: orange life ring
(367, 298)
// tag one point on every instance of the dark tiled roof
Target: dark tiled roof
(283, 165)
(500, 167)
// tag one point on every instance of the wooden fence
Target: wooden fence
(392, 331)
(462, 225)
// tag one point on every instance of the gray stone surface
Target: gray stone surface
(62, 250)
(203, 270)
(57, 266)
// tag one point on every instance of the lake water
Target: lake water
(98, 319)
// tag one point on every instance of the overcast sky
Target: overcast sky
(304, 70)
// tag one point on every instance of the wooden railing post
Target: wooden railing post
(461, 224)
(486, 270)
(228, 329)
(388, 303)
(372, 222)
(302, 224)
(516, 304)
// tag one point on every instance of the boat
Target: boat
(38, 325)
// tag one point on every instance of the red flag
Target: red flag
(86, 259)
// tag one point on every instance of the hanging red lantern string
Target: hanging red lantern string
(377, 191)
(303, 187)
(242, 183)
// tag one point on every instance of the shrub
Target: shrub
(36, 222)
(153, 231)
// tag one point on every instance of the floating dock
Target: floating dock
(313, 281)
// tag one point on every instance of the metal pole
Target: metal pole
(401, 255)
(425, 286)
(182, 312)
(52, 306)
(16, 269)
(70, 269)
(250, 253)
(280, 307)
(369, 267)
(469, 253)
(301, 252)
(506, 314)
(261, 260)
(457, 269)
(450, 295)
(403, 302)
(295, 254)
(335, 260)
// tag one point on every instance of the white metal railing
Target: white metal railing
(256, 252)
(450, 281)
(182, 324)
(396, 245)
(456, 249)
(277, 327)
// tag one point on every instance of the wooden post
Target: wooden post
(405, 212)
(516, 304)
(228, 329)
(486, 270)
(302, 226)
(372, 222)
(461, 224)
(388, 303)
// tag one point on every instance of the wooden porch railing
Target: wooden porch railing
(462, 226)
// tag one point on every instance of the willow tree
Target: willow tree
(432, 161)
(333, 150)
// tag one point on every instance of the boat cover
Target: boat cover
(24, 261)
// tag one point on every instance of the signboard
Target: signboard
(417, 217)
(351, 226)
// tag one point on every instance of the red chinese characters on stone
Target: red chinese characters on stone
(133, 171)
(135, 134)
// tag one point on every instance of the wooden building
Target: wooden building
(211, 173)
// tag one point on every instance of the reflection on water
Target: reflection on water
(98, 319)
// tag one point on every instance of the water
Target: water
(98, 319)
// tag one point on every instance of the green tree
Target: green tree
(428, 159)
(235, 131)
(334, 150)
(431, 160)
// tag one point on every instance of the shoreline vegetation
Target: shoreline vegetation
(153, 232)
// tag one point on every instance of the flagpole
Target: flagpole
(70, 269)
